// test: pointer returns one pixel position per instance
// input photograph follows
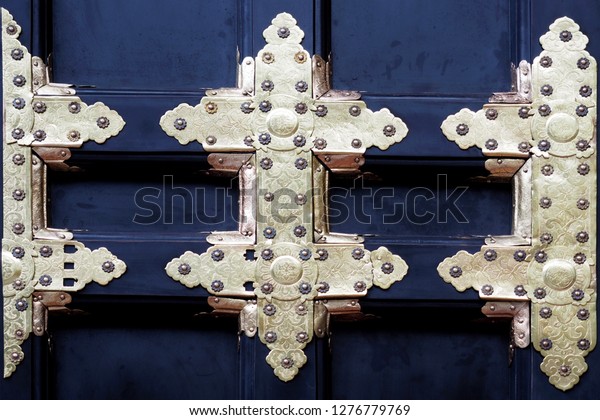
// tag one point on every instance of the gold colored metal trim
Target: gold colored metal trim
(49, 118)
(550, 260)
(298, 130)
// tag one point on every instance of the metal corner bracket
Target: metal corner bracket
(41, 121)
(549, 121)
(288, 130)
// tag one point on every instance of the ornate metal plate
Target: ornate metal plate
(293, 130)
(550, 259)
(37, 259)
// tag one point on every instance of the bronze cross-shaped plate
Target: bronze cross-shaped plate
(291, 130)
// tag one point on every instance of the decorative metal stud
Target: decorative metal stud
(246, 107)
(18, 252)
(74, 107)
(300, 231)
(301, 309)
(583, 314)
(248, 141)
(39, 107)
(217, 286)
(490, 255)
(564, 370)
(21, 305)
(545, 312)
(321, 111)
(103, 122)
(546, 238)
(544, 145)
(19, 81)
(304, 288)
(582, 237)
(305, 254)
(545, 61)
(301, 163)
(356, 143)
(358, 253)
(299, 140)
(268, 58)
(539, 293)
(323, 287)
(546, 90)
(520, 290)
(46, 251)
(545, 202)
(264, 138)
(17, 54)
(45, 280)
(267, 288)
(267, 254)
(265, 106)
(211, 140)
(541, 256)
(583, 344)
(211, 107)
(544, 110)
(18, 159)
(11, 29)
(217, 255)
(583, 204)
(583, 169)
(322, 254)
(579, 258)
(524, 147)
(583, 63)
(267, 85)
(491, 114)
(269, 309)
(300, 57)
(184, 269)
(585, 91)
(566, 36)
(582, 145)
(287, 363)
(354, 110)
(520, 255)
(387, 268)
(578, 294)
(301, 108)
(18, 103)
(266, 163)
(546, 344)
(302, 337)
(270, 336)
(108, 266)
(301, 86)
(283, 32)
(487, 289)
(18, 285)
(389, 130)
(360, 286)
(39, 135)
(524, 112)
(320, 144)
(581, 110)
(18, 195)
(547, 170)
(269, 232)
(491, 144)
(18, 228)
(456, 271)
(462, 129)
(269, 197)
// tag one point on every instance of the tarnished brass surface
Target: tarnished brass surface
(283, 246)
(550, 259)
(34, 256)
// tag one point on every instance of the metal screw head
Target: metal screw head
(103, 122)
(301, 108)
